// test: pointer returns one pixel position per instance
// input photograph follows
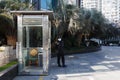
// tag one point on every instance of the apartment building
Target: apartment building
(55, 3)
(40, 4)
(36, 4)
(91, 4)
(109, 8)
(73, 2)
(78, 3)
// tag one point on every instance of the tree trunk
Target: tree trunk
(79, 39)
(11, 40)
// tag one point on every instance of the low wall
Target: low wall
(80, 51)
(9, 73)
(7, 54)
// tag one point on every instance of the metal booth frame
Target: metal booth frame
(33, 42)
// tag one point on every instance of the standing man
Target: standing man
(60, 53)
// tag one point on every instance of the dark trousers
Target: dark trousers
(60, 57)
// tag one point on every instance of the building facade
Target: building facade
(54, 3)
(36, 4)
(91, 4)
(73, 2)
(109, 8)
(41, 4)
(78, 3)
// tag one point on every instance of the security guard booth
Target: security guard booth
(33, 42)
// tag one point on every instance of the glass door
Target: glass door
(32, 45)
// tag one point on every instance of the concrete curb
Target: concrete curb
(86, 50)
(9, 73)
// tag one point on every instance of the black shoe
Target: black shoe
(64, 66)
(59, 66)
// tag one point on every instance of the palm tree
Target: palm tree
(7, 26)
(8, 5)
(7, 29)
(79, 22)
(89, 23)
(99, 22)
(62, 15)
(84, 23)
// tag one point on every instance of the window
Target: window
(32, 36)
(35, 36)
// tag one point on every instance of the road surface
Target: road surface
(101, 65)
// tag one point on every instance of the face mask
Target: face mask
(59, 39)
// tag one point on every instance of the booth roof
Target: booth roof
(32, 12)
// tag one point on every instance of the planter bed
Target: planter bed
(9, 73)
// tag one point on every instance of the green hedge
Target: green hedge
(8, 65)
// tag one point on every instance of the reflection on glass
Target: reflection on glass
(32, 36)
(35, 35)
(24, 36)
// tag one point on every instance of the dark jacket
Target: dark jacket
(60, 47)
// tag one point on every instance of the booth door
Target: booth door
(32, 45)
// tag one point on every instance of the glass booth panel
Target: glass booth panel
(32, 45)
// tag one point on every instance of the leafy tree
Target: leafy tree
(7, 26)
(78, 24)
(62, 14)
(8, 5)
(98, 22)
(7, 29)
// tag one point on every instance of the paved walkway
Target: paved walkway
(102, 65)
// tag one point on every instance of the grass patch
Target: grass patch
(8, 65)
